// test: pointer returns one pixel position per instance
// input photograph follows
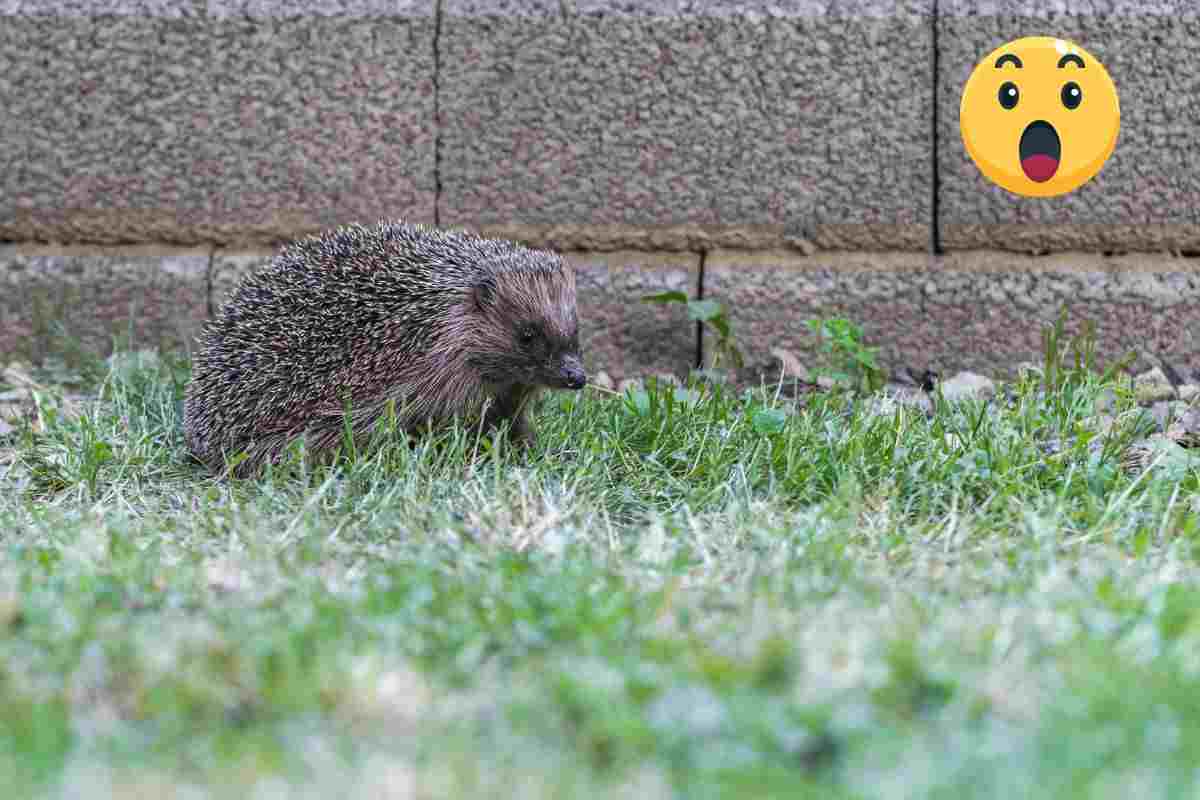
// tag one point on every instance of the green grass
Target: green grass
(677, 594)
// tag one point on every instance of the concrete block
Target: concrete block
(95, 8)
(146, 297)
(1147, 197)
(980, 311)
(248, 123)
(618, 333)
(266, 9)
(735, 120)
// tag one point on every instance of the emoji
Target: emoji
(1039, 116)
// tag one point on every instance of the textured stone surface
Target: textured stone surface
(161, 294)
(250, 124)
(713, 115)
(648, 238)
(1147, 196)
(982, 311)
(618, 333)
(575, 124)
(95, 8)
(1153, 386)
(624, 336)
(211, 8)
(967, 386)
(319, 8)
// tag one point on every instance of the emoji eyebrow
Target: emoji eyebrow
(1002, 60)
(1070, 58)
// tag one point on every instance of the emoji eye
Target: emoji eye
(1072, 95)
(1009, 95)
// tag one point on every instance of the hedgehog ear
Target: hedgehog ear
(484, 292)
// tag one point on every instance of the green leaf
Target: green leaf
(722, 326)
(704, 310)
(101, 452)
(666, 297)
(766, 421)
(638, 401)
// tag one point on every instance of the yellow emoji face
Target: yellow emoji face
(1039, 116)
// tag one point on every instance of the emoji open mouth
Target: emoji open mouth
(1040, 151)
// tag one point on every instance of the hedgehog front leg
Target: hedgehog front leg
(510, 405)
(520, 432)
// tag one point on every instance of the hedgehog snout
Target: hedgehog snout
(571, 372)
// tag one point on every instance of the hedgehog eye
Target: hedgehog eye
(527, 334)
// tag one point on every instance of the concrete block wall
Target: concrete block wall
(211, 121)
(792, 157)
(718, 124)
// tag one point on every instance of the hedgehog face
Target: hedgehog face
(551, 356)
(529, 330)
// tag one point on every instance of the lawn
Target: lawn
(679, 593)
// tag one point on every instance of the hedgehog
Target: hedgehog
(420, 324)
